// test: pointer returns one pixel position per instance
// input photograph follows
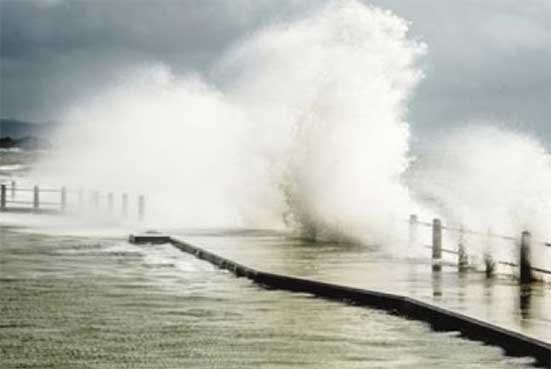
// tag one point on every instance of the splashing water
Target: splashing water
(307, 126)
(301, 125)
(488, 179)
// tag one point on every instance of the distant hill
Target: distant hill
(26, 143)
(17, 129)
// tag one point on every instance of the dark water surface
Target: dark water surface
(70, 302)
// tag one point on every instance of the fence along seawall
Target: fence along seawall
(36, 199)
(525, 268)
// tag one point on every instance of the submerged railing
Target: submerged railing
(62, 199)
(524, 242)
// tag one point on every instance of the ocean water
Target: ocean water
(94, 302)
(16, 162)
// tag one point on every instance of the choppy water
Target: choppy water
(71, 302)
(15, 162)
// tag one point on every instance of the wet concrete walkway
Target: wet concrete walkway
(500, 301)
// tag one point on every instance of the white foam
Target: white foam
(13, 167)
(302, 123)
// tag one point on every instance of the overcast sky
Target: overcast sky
(488, 60)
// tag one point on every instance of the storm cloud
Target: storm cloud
(486, 60)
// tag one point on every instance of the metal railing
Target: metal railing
(60, 200)
(525, 242)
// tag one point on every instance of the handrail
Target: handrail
(17, 189)
(479, 233)
(509, 263)
(78, 198)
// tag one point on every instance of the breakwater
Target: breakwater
(513, 343)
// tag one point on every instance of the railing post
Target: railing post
(36, 198)
(413, 230)
(3, 197)
(488, 259)
(436, 245)
(463, 258)
(124, 206)
(490, 265)
(525, 266)
(141, 208)
(63, 204)
(110, 203)
(12, 190)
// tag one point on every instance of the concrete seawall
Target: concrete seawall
(513, 343)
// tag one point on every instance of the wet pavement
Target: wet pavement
(499, 300)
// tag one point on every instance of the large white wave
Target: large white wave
(306, 127)
(301, 125)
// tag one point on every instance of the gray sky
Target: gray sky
(487, 59)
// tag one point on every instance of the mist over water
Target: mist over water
(302, 125)
(488, 179)
(331, 91)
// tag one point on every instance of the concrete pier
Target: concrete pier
(513, 342)
(153, 238)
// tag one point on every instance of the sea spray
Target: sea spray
(305, 126)
(336, 84)
(176, 140)
(492, 180)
